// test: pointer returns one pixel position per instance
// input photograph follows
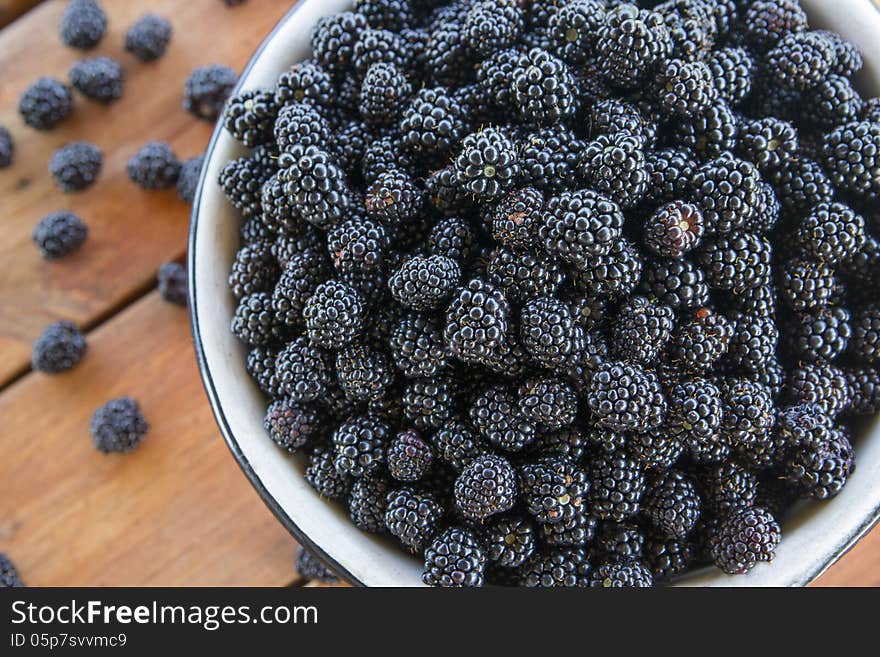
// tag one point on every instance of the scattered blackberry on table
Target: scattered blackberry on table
(368, 502)
(322, 475)
(59, 234)
(45, 103)
(206, 90)
(303, 370)
(454, 558)
(7, 147)
(188, 180)
(148, 38)
(674, 229)
(560, 567)
(621, 574)
(821, 335)
(155, 166)
(425, 283)
(76, 166)
(171, 280)
(9, 577)
(99, 78)
(510, 541)
(83, 24)
(293, 426)
(59, 348)
(413, 517)
(308, 566)
(118, 426)
(743, 539)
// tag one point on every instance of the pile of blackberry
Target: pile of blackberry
(564, 294)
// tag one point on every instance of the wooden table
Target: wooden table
(177, 511)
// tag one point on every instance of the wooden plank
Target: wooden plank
(177, 511)
(131, 231)
(12, 9)
(858, 567)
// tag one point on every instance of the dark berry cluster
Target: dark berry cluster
(559, 293)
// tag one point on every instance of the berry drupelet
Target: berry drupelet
(118, 426)
(59, 234)
(60, 347)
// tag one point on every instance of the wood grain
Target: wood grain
(177, 511)
(12, 9)
(858, 567)
(131, 231)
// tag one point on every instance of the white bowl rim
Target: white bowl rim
(845, 544)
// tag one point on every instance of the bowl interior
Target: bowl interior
(813, 538)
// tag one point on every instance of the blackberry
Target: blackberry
(549, 158)
(45, 103)
(745, 538)
(322, 475)
(865, 386)
(678, 284)
(334, 39)
(820, 384)
(573, 29)
(188, 180)
(357, 245)
(767, 21)
(617, 484)
(293, 426)
(417, 347)
(733, 71)
(432, 124)
(801, 185)
(700, 340)
(455, 558)
(351, 145)
(674, 229)
(7, 147)
(821, 335)
(260, 364)
(709, 133)
(424, 283)
(394, 199)
(667, 558)
(155, 166)
(59, 348)
(250, 116)
(866, 334)
(148, 38)
(726, 189)
(510, 542)
(83, 24)
(363, 372)
(334, 314)
(851, 157)
(300, 278)
(832, 233)
(253, 270)
(59, 234)
(748, 416)
(494, 74)
(574, 531)
(9, 577)
(611, 116)
(447, 56)
(206, 90)
(492, 25)
(630, 41)
(685, 88)
(554, 490)
(476, 322)
(768, 143)
(384, 93)
(317, 188)
(619, 540)
(254, 320)
(515, 219)
(380, 46)
(671, 504)
(559, 567)
(754, 342)
(669, 174)
(171, 281)
(625, 396)
(801, 60)
(99, 78)
(737, 261)
(409, 457)
(76, 166)
(523, 276)
(308, 566)
(496, 416)
(548, 332)
(834, 102)
(295, 127)
(641, 330)
(581, 224)
(118, 426)
(303, 371)
(487, 165)
(807, 284)
(368, 502)
(359, 445)
(276, 209)
(727, 488)
(621, 574)
(548, 403)
(305, 82)
(614, 165)
(428, 403)
(413, 517)
(695, 414)
(543, 88)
